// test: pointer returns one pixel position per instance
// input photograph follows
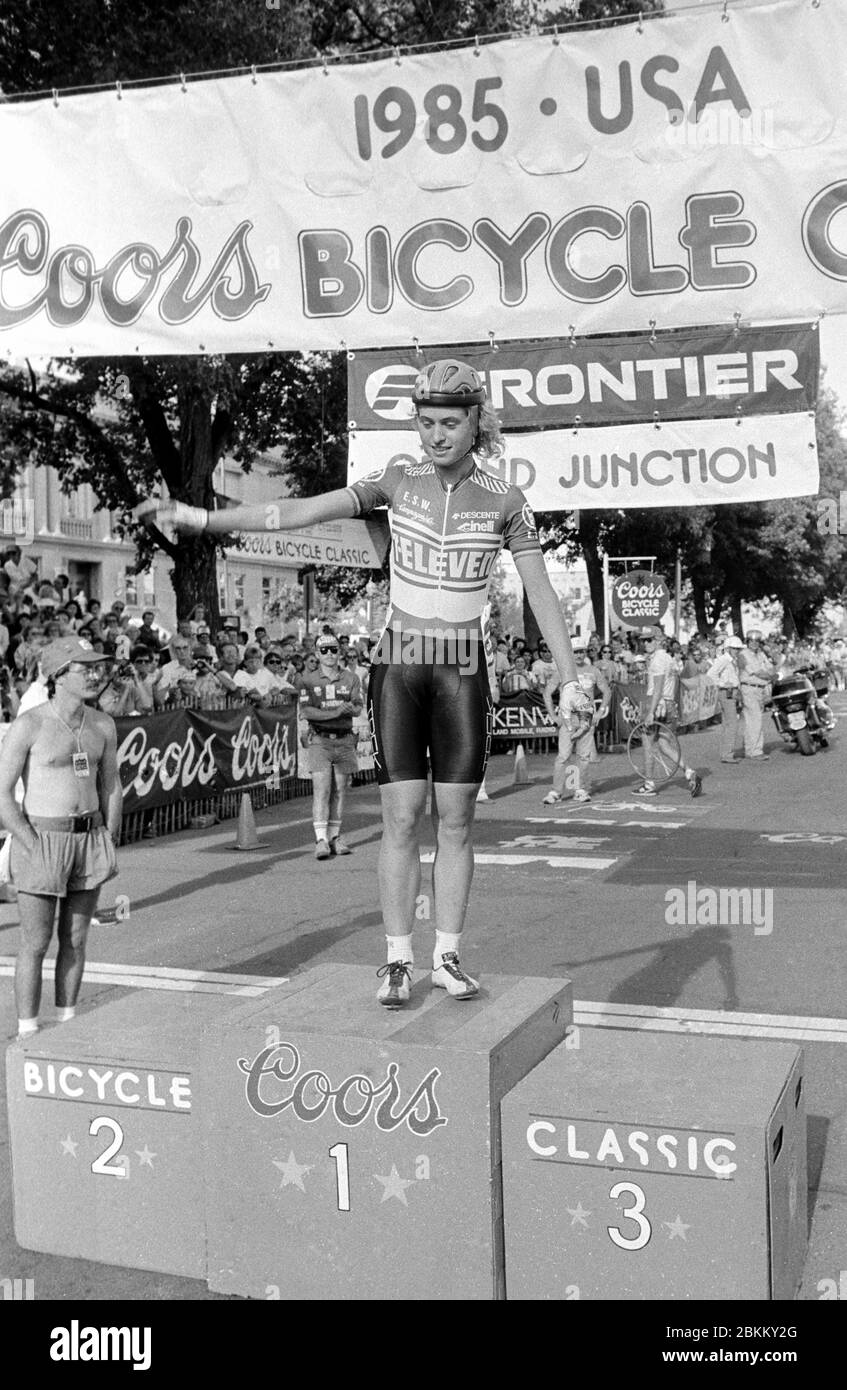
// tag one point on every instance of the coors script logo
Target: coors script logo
(126, 283)
(352, 1101)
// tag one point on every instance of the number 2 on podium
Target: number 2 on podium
(342, 1175)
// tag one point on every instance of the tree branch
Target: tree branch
(90, 428)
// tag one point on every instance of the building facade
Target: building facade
(66, 533)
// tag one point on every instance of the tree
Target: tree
(129, 425)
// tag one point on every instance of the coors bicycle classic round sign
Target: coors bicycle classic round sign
(640, 598)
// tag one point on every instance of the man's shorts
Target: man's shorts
(64, 862)
(325, 753)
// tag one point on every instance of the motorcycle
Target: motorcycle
(800, 710)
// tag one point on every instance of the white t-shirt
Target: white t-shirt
(661, 675)
(262, 680)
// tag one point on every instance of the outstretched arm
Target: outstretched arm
(545, 604)
(287, 514)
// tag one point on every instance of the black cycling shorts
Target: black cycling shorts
(444, 711)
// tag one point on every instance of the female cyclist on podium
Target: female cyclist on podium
(429, 697)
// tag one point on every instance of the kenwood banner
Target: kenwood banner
(683, 169)
(670, 464)
(708, 372)
(187, 753)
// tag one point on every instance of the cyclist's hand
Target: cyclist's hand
(574, 700)
(171, 516)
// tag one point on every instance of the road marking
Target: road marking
(556, 861)
(165, 977)
(563, 842)
(588, 820)
(637, 806)
(718, 1022)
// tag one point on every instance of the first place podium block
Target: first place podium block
(104, 1134)
(353, 1152)
(651, 1166)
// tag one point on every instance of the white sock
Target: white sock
(444, 941)
(320, 829)
(689, 774)
(27, 1025)
(334, 829)
(64, 1015)
(400, 948)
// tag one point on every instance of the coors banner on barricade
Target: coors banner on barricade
(675, 463)
(684, 170)
(185, 753)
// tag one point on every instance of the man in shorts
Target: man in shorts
(661, 706)
(576, 729)
(429, 695)
(63, 834)
(330, 697)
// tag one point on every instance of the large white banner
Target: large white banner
(682, 171)
(677, 463)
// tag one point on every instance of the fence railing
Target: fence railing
(224, 805)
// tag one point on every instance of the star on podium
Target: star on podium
(145, 1157)
(394, 1186)
(292, 1171)
(579, 1216)
(677, 1228)
(70, 1146)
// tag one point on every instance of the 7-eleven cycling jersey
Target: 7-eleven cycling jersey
(445, 539)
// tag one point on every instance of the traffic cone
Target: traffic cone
(521, 774)
(246, 837)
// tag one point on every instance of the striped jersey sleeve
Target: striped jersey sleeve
(377, 489)
(520, 534)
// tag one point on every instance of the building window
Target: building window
(130, 587)
(238, 591)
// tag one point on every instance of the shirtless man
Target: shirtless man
(63, 835)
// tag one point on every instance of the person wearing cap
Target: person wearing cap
(429, 697)
(660, 705)
(330, 698)
(64, 833)
(724, 672)
(756, 671)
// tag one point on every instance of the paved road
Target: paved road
(582, 890)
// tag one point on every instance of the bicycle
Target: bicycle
(665, 754)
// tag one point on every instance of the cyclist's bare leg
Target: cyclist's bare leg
(403, 804)
(452, 871)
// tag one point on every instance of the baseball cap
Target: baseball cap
(60, 654)
(734, 642)
(653, 634)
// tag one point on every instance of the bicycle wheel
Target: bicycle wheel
(666, 756)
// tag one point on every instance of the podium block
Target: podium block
(104, 1134)
(654, 1166)
(353, 1152)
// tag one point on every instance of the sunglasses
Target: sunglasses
(327, 649)
(273, 661)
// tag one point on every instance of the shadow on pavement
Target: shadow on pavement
(662, 980)
(292, 955)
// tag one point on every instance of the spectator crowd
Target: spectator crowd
(151, 669)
